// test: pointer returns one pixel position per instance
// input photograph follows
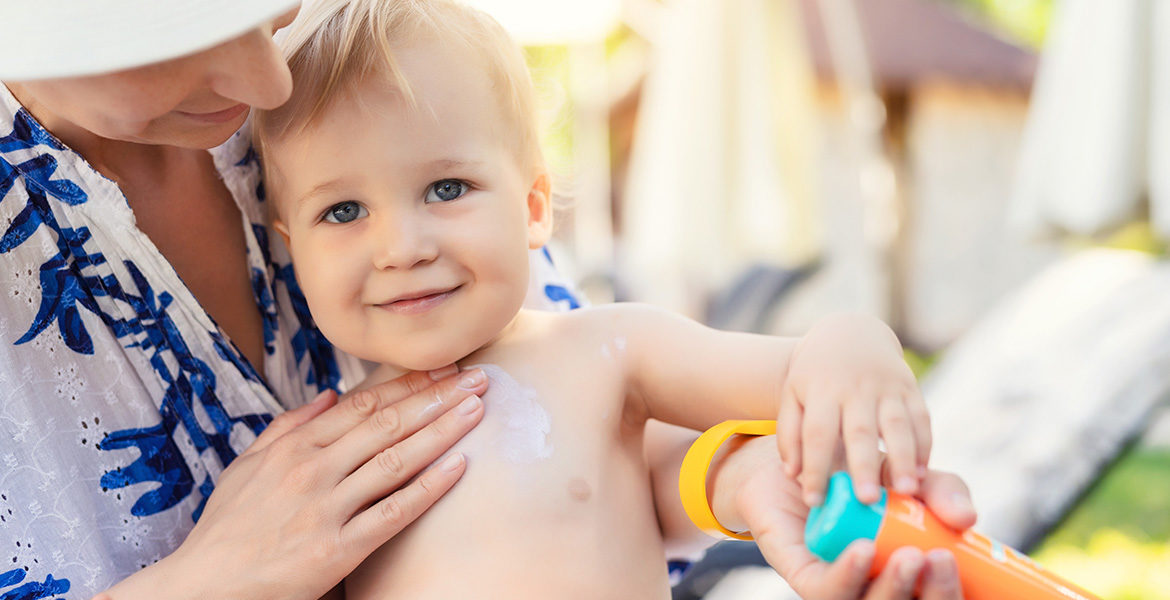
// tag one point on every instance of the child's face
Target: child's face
(410, 228)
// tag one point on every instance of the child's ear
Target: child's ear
(282, 229)
(540, 218)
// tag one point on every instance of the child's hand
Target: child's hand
(847, 381)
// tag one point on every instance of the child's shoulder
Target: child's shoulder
(619, 323)
(604, 317)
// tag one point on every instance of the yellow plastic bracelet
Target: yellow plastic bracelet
(692, 478)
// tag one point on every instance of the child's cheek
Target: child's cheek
(327, 277)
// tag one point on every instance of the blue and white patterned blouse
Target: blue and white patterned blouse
(121, 401)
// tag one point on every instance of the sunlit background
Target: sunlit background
(992, 177)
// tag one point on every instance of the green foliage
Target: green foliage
(1138, 236)
(920, 364)
(549, 66)
(1023, 20)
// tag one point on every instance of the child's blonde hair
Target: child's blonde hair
(335, 45)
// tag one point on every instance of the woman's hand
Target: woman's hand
(847, 381)
(322, 487)
(751, 492)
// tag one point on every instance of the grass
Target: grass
(1116, 542)
(1133, 498)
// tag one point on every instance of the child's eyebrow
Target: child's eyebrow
(322, 188)
(452, 163)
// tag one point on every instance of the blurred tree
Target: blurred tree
(1025, 20)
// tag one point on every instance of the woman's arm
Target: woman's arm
(665, 445)
(318, 491)
(749, 490)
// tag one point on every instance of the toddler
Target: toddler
(407, 180)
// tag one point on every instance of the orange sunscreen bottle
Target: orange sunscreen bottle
(988, 570)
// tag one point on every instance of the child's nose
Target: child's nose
(403, 243)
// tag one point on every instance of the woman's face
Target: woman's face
(195, 101)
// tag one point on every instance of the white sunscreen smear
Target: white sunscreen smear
(519, 424)
(615, 347)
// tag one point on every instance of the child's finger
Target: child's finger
(819, 433)
(859, 430)
(898, 434)
(788, 431)
(920, 420)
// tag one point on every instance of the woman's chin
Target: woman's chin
(172, 130)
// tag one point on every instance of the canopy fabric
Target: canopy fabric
(1097, 144)
(721, 167)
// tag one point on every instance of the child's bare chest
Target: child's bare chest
(556, 491)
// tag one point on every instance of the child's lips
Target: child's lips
(419, 303)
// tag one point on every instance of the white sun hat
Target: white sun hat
(67, 38)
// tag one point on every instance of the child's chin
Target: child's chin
(429, 361)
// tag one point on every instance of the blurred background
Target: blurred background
(991, 177)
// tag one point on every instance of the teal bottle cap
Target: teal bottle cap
(841, 519)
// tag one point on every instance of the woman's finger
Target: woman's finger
(399, 420)
(359, 406)
(375, 525)
(949, 499)
(859, 430)
(844, 579)
(899, 437)
(289, 420)
(899, 578)
(941, 579)
(394, 466)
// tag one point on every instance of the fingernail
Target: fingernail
(869, 491)
(439, 374)
(451, 462)
(942, 566)
(908, 571)
(906, 485)
(813, 498)
(472, 380)
(468, 406)
(962, 503)
(863, 556)
(322, 398)
(922, 471)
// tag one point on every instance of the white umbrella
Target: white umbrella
(1098, 138)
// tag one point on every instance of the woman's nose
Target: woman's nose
(251, 69)
(401, 242)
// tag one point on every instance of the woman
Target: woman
(150, 326)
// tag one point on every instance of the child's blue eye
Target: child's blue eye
(446, 190)
(345, 212)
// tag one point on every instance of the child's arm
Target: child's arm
(844, 380)
(748, 491)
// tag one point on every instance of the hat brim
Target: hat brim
(46, 39)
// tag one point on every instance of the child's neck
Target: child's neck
(387, 371)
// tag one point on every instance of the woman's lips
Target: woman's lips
(420, 304)
(222, 116)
